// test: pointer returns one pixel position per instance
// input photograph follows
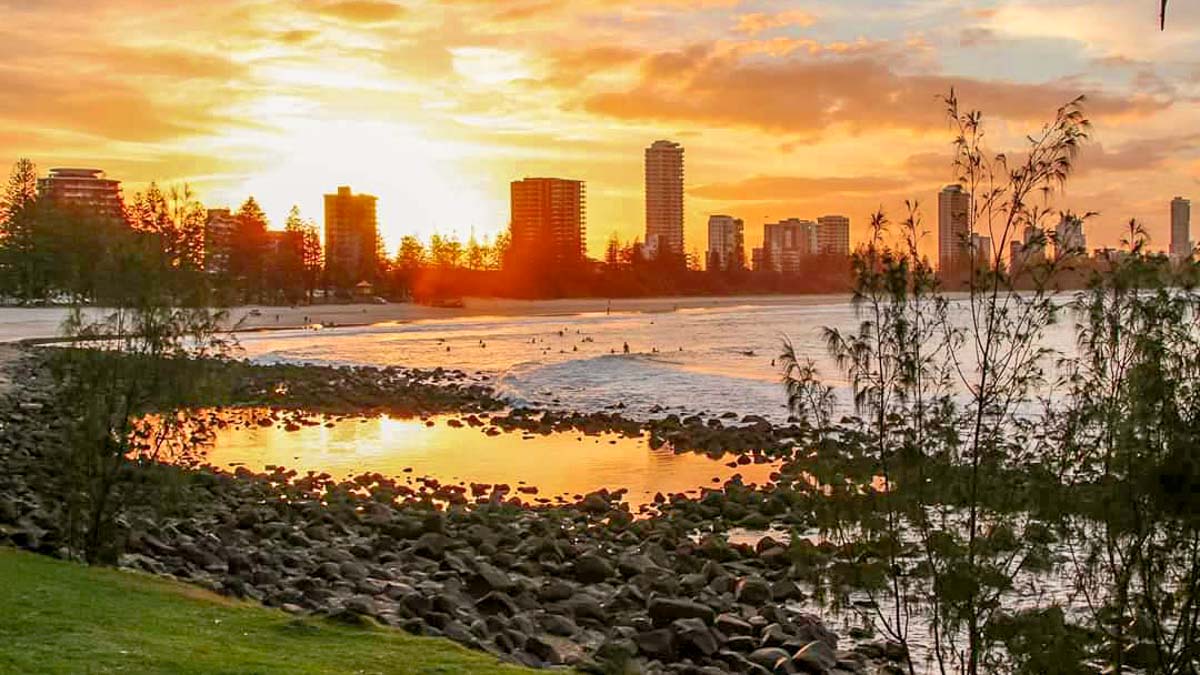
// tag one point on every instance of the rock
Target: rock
(493, 577)
(592, 569)
(815, 657)
(544, 650)
(733, 625)
(361, 604)
(555, 590)
(657, 644)
(595, 503)
(741, 643)
(740, 664)
(693, 635)
(665, 610)
(785, 589)
(894, 651)
(557, 624)
(431, 545)
(584, 607)
(497, 603)
(354, 571)
(753, 590)
(771, 658)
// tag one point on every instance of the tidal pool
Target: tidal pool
(560, 464)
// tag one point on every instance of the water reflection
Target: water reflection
(557, 464)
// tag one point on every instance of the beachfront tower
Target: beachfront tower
(725, 244)
(664, 199)
(954, 229)
(549, 222)
(1181, 229)
(351, 234)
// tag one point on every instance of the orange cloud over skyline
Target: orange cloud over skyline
(785, 108)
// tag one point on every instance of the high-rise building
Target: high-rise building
(664, 199)
(1029, 251)
(787, 243)
(1070, 239)
(86, 191)
(1181, 228)
(981, 248)
(726, 247)
(549, 221)
(954, 228)
(833, 235)
(351, 233)
(219, 228)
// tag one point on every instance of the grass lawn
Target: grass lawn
(58, 617)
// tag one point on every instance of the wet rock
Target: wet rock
(733, 625)
(815, 657)
(773, 659)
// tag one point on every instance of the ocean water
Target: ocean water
(698, 360)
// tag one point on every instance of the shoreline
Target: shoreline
(581, 584)
(41, 324)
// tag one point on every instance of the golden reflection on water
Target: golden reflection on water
(557, 464)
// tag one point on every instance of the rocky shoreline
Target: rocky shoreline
(585, 584)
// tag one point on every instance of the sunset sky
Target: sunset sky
(785, 108)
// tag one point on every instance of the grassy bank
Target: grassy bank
(64, 618)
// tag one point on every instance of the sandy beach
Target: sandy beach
(253, 317)
(43, 323)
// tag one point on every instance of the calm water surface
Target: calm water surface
(558, 464)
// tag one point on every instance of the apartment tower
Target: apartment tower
(351, 232)
(86, 191)
(1181, 228)
(833, 235)
(726, 248)
(549, 221)
(954, 228)
(664, 199)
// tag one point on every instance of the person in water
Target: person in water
(626, 347)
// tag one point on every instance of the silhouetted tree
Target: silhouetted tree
(247, 253)
(445, 252)
(18, 265)
(176, 218)
(312, 258)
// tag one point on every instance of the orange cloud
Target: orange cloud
(360, 11)
(805, 95)
(758, 22)
(782, 188)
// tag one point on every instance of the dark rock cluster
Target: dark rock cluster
(584, 584)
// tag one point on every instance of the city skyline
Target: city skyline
(771, 100)
(538, 213)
